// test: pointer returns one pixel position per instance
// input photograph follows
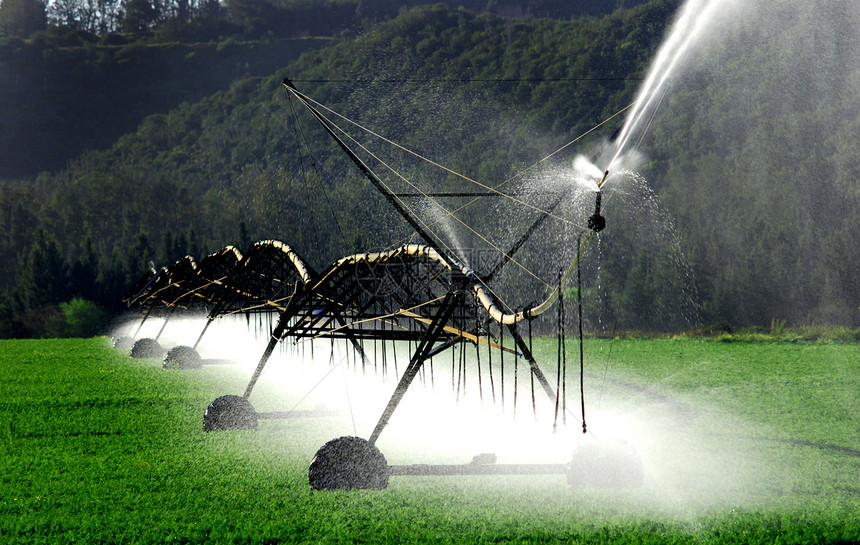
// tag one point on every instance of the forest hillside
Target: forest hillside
(715, 230)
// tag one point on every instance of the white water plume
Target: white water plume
(696, 22)
(804, 52)
(235, 338)
(586, 172)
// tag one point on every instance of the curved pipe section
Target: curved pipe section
(294, 258)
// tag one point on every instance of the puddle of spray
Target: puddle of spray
(686, 468)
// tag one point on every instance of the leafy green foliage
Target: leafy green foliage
(768, 170)
(57, 102)
(20, 18)
(83, 318)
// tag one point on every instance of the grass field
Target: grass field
(745, 442)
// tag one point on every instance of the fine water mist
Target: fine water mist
(235, 338)
(689, 467)
(742, 125)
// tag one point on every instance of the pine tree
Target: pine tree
(43, 277)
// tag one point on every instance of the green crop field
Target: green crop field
(745, 442)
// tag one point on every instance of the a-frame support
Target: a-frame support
(140, 325)
(423, 351)
(166, 320)
(278, 334)
(209, 320)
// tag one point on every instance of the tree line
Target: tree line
(192, 19)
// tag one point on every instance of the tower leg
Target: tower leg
(422, 352)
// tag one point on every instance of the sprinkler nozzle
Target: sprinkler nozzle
(603, 179)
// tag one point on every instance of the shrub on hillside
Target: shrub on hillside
(83, 318)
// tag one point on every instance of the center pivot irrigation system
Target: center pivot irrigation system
(416, 295)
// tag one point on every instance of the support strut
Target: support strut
(377, 183)
(209, 320)
(279, 333)
(140, 325)
(166, 319)
(424, 350)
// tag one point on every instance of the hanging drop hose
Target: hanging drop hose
(581, 342)
(560, 348)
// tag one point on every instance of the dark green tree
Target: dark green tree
(21, 18)
(83, 273)
(83, 318)
(253, 16)
(66, 14)
(43, 277)
(138, 258)
(42, 285)
(139, 15)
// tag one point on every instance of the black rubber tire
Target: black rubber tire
(146, 348)
(230, 412)
(182, 357)
(605, 465)
(348, 463)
